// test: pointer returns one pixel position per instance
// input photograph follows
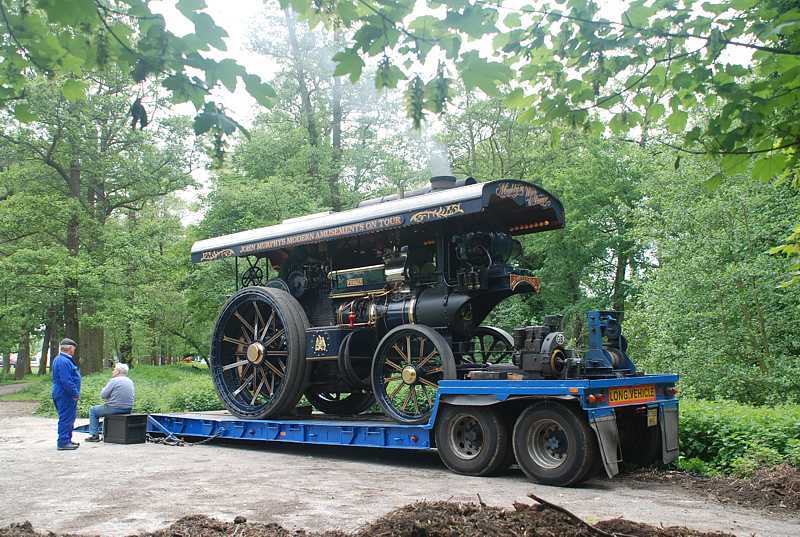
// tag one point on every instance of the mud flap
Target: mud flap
(608, 440)
(669, 433)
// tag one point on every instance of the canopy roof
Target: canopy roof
(516, 206)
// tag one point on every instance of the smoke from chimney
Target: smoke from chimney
(439, 161)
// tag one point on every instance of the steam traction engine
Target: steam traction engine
(385, 302)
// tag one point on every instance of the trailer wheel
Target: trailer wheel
(258, 353)
(472, 440)
(408, 364)
(554, 445)
(340, 403)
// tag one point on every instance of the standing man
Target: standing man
(118, 396)
(66, 391)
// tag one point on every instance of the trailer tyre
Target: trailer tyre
(472, 440)
(554, 445)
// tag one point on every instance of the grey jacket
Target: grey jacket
(119, 392)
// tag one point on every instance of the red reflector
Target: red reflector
(672, 390)
(596, 397)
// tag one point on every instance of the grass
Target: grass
(174, 388)
(9, 379)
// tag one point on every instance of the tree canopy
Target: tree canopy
(615, 113)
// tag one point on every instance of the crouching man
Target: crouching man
(118, 396)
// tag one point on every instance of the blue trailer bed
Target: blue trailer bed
(606, 405)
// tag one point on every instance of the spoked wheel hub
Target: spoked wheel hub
(409, 375)
(255, 353)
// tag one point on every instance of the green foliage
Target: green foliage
(695, 466)
(711, 307)
(571, 61)
(791, 250)
(793, 452)
(730, 437)
(62, 39)
(177, 388)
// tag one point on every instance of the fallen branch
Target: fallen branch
(575, 517)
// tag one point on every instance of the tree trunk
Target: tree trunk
(305, 94)
(55, 338)
(573, 284)
(336, 135)
(6, 364)
(618, 292)
(48, 335)
(92, 345)
(23, 355)
(126, 348)
(154, 355)
(71, 319)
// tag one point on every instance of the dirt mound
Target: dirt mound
(423, 519)
(445, 519)
(776, 488)
(620, 527)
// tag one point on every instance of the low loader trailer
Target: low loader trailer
(386, 306)
(558, 432)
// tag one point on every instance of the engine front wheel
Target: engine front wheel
(408, 364)
(554, 445)
(472, 440)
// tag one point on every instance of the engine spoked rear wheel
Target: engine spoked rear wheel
(489, 345)
(340, 403)
(258, 353)
(409, 363)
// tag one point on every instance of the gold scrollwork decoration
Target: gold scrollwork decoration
(519, 279)
(438, 213)
(216, 254)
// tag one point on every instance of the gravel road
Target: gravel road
(118, 490)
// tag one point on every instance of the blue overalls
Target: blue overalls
(66, 388)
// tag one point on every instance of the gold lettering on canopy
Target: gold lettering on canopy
(323, 234)
(532, 196)
(437, 213)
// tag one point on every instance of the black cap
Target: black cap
(67, 341)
